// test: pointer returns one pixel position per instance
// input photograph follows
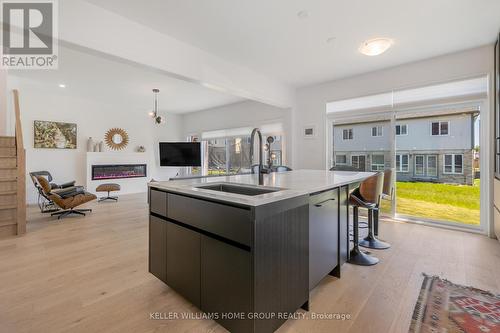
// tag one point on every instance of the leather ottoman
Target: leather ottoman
(108, 187)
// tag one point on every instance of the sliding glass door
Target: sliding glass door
(364, 144)
(433, 152)
(441, 182)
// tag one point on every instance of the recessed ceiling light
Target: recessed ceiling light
(331, 40)
(62, 85)
(303, 14)
(375, 46)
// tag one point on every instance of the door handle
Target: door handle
(320, 204)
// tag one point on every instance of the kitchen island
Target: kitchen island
(248, 254)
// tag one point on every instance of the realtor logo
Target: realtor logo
(29, 34)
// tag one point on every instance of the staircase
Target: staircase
(12, 181)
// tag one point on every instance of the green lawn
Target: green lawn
(457, 203)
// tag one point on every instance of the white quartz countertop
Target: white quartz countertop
(291, 183)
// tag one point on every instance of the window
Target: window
(228, 155)
(419, 165)
(227, 151)
(402, 129)
(432, 165)
(402, 163)
(347, 134)
(377, 130)
(341, 159)
(273, 153)
(378, 163)
(217, 157)
(453, 163)
(238, 154)
(440, 127)
(276, 157)
(358, 162)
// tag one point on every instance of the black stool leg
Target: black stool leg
(108, 198)
(356, 256)
(371, 241)
(375, 222)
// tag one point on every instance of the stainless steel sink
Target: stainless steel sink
(239, 189)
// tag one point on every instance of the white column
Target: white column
(3, 103)
(392, 133)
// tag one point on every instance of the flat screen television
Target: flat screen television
(180, 154)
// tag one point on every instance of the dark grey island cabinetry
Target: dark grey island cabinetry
(328, 233)
(248, 255)
(232, 260)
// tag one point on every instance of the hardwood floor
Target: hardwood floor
(90, 274)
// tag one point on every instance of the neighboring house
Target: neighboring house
(434, 149)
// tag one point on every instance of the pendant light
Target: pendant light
(154, 114)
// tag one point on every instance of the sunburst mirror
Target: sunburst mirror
(116, 138)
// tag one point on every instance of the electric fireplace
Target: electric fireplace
(117, 171)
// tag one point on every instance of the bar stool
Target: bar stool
(366, 196)
(387, 194)
(371, 241)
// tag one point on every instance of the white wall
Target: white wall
(311, 100)
(243, 114)
(93, 118)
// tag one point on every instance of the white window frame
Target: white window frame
(453, 166)
(400, 127)
(349, 131)
(337, 163)
(400, 158)
(415, 165)
(440, 122)
(377, 132)
(358, 156)
(427, 164)
(379, 167)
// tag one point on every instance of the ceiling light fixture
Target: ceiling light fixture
(376, 46)
(303, 14)
(331, 40)
(154, 114)
(62, 85)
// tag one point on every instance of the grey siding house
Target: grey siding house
(432, 149)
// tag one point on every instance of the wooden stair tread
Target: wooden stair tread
(9, 206)
(8, 179)
(6, 222)
(8, 192)
(7, 144)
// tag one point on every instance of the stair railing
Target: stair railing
(21, 168)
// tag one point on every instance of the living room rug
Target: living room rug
(443, 306)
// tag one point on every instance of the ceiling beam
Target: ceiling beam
(92, 27)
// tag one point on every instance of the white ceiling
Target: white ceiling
(110, 80)
(267, 36)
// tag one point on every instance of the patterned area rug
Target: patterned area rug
(446, 307)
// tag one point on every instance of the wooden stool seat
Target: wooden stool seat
(366, 196)
(371, 241)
